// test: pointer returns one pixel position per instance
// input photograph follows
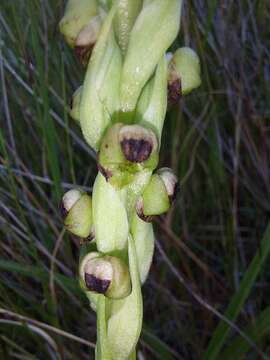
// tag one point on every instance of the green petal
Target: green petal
(109, 217)
(153, 113)
(155, 197)
(144, 239)
(126, 14)
(154, 31)
(125, 322)
(100, 96)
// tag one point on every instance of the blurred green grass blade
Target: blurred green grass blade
(210, 16)
(42, 88)
(239, 298)
(66, 118)
(40, 274)
(257, 330)
(161, 350)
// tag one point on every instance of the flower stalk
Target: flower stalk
(121, 108)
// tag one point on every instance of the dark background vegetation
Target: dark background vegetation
(217, 140)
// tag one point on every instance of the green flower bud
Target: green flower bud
(87, 38)
(184, 73)
(104, 274)
(107, 204)
(153, 32)
(77, 210)
(126, 150)
(158, 195)
(77, 15)
(75, 104)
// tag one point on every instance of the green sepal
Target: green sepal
(152, 105)
(133, 190)
(121, 286)
(144, 239)
(126, 14)
(79, 218)
(154, 31)
(155, 197)
(125, 321)
(112, 234)
(100, 96)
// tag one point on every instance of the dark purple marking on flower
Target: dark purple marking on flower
(139, 210)
(174, 91)
(147, 218)
(176, 191)
(105, 172)
(136, 150)
(90, 237)
(63, 210)
(83, 53)
(71, 103)
(94, 284)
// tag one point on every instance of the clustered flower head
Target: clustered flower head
(129, 83)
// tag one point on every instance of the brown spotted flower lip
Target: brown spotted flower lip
(136, 150)
(174, 89)
(137, 143)
(95, 284)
